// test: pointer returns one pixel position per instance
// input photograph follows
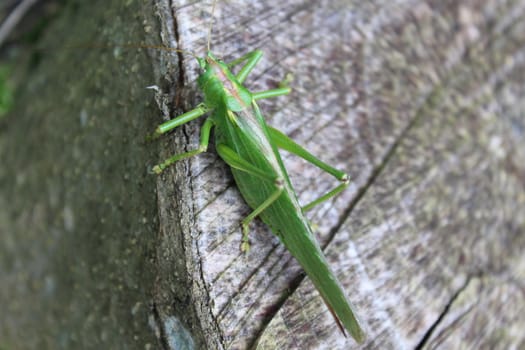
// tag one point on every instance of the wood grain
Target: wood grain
(421, 102)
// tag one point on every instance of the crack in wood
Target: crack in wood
(163, 339)
(294, 285)
(181, 72)
(430, 331)
(430, 101)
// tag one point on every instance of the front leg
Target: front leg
(184, 118)
(203, 146)
(283, 89)
(251, 59)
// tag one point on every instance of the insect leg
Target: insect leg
(284, 142)
(283, 89)
(179, 120)
(235, 161)
(271, 93)
(327, 196)
(245, 244)
(251, 59)
(203, 146)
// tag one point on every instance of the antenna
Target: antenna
(211, 24)
(130, 46)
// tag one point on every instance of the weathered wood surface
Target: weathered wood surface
(421, 102)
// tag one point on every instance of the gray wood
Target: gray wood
(421, 102)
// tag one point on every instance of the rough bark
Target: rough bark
(78, 209)
(421, 102)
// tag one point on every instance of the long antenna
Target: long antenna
(211, 24)
(130, 46)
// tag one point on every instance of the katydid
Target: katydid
(250, 147)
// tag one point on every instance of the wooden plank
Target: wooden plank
(419, 101)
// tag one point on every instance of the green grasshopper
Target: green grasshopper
(250, 147)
